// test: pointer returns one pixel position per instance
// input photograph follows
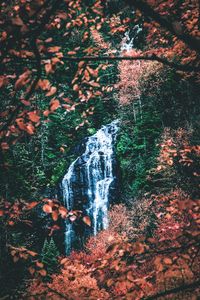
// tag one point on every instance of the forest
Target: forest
(100, 149)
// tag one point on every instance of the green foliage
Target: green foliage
(49, 256)
(136, 146)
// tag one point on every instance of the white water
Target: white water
(127, 42)
(90, 178)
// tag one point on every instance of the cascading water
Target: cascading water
(90, 181)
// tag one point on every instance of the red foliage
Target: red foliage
(168, 261)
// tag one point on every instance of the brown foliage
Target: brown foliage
(117, 267)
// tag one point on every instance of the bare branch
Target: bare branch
(192, 42)
(32, 87)
(152, 57)
(178, 289)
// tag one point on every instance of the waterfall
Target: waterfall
(90, 181)
(128, 42)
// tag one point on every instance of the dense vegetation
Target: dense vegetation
(64, 74)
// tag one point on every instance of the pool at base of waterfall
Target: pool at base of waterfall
(90, 184)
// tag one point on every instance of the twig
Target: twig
(148, 11)
(174, 290)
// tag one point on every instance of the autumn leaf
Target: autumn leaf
(20, 123)
(63, 211)
(22, 80)
(48, 68)
(167, 261)
(63, 261)
(54, 215)
(158, 264)
(76, 87)
(42, 272)
(46, 113)
(34, 117)
(47, 208)
(32, 253)
(71, 52)
(44, 84)
(30, 128)
(39, 264)
(11, 223)
(32, 205)
(55, 104)
(62, 149)
(53, 49)
(87, 220)
(52, 91)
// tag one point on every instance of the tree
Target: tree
(44, 41)
(29, 56)
(49, 256)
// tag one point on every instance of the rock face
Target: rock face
(90, 184)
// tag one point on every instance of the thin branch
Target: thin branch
(9, 44)
(178, 289)
(32, 88)
(148, 11)
(58, 293)
(152, 57)
(154, 252)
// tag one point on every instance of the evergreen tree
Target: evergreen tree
(50, 255)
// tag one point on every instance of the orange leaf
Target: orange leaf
(20, 123)
(47, 208)
(53, 49)
(11, 223)
(55, 104)
(48, 68)
(63, 211)
(54, 215)
(39, 264)
(44, 84)
(46, 113)
(158, 264)
(63, 261)
(87, 75)
(167, 261)
(32, 253)
(76, 87)
(42, 272)
(33, 116)
(71, 52)
(22, 80)
(30, 128)
(32, 205)
(87, 220)
(62, 149)
(52, 91)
